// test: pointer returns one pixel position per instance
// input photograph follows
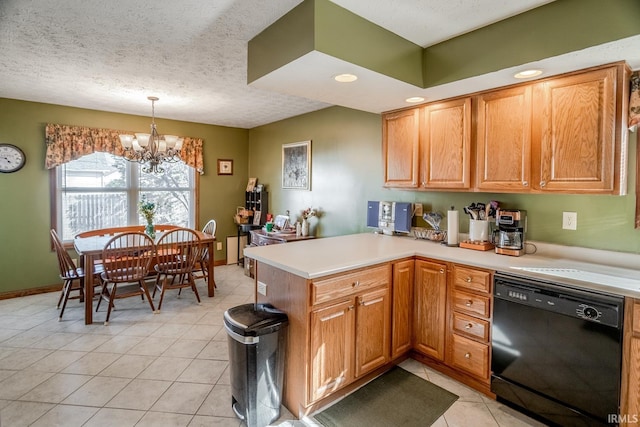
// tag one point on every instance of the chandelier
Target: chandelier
(151, 150)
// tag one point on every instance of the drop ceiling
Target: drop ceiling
(111, 55)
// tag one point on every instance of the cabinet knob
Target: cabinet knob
(543, 183)
(442, 271)
(469, 303)
(351, 307)
(467, 355)
(355, 284)
(468, 326)
(525, 183)
(468, 279)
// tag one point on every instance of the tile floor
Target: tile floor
(145, 369)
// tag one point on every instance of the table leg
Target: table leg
(88, 290)
(211, 280)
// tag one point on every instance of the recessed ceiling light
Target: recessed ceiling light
(346, 78)
(527, 74)
(415, 99)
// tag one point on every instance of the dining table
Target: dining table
(89, 250)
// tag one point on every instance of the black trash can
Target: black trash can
(256, 337)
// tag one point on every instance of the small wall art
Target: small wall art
(225, 167)
(296, 165)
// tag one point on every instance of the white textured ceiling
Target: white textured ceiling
(111, 54)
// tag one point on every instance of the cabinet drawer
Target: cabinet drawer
(347, 284)
(470, 356)
(471, 304)
(471, 326)
(476, 280)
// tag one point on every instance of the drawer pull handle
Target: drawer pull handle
(469, 303)
(468, 279)
(355, 284)
(467, 355)
(468, 326)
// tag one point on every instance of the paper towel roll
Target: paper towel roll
(452, 227)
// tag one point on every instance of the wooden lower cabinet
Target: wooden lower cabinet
(402, 307)
(630, 393)
(468, 335)
(349, 338)
(331, 348)
(430, 295)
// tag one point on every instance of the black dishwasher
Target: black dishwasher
(557, 351)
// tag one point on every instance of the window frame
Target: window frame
(132, 189)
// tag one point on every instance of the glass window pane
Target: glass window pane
(175, 175)
(90, 211)
(97, 170)
(172, 207)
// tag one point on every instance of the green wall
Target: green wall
(26, 259)
(347, 171)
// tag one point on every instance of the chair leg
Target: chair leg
(112, 295)
(143, 287)
(193, 286)
(66, 289)
(62, 291)
(164, 285)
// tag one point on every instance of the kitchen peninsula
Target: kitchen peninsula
(358, 304)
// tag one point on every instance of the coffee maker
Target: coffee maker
(509, 235)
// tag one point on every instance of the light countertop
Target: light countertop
(605, 271)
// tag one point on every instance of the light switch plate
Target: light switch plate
(219, 246)
(569, 220)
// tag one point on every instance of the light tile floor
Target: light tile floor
(145, 369)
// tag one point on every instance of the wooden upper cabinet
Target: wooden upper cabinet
(577, 132)
(400, 131)
(445, 145)
(503, 140)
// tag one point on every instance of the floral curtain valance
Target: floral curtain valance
(66, 143)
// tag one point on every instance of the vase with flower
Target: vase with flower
(306, 214)
(148, 210)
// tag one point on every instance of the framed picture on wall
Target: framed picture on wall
(252, 184)
(296, 165)
(225, 167)
(257, 216)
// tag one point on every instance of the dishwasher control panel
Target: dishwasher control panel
(589, 306)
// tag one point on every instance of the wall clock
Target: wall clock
(12, 158)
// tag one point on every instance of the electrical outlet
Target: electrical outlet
(262, 288)
(219, 246)
(569, 220)
(417, 209)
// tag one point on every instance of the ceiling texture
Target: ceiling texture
(192, 54)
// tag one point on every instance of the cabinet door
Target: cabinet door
(372, 330)
(400, 148)
(331, 348)
(503, 140)
(445, 145)
(429, 308)
(574, 129)
(402, 307)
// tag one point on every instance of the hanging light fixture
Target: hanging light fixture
(149, 149)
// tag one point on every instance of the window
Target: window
(101, 190)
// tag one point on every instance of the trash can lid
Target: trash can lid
(255, 319)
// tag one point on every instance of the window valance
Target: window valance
(66, 143)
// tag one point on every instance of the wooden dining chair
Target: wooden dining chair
(127, 259)
(209, 228)
(178, 251)
(71, 275)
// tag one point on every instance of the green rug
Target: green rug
(396, 398)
